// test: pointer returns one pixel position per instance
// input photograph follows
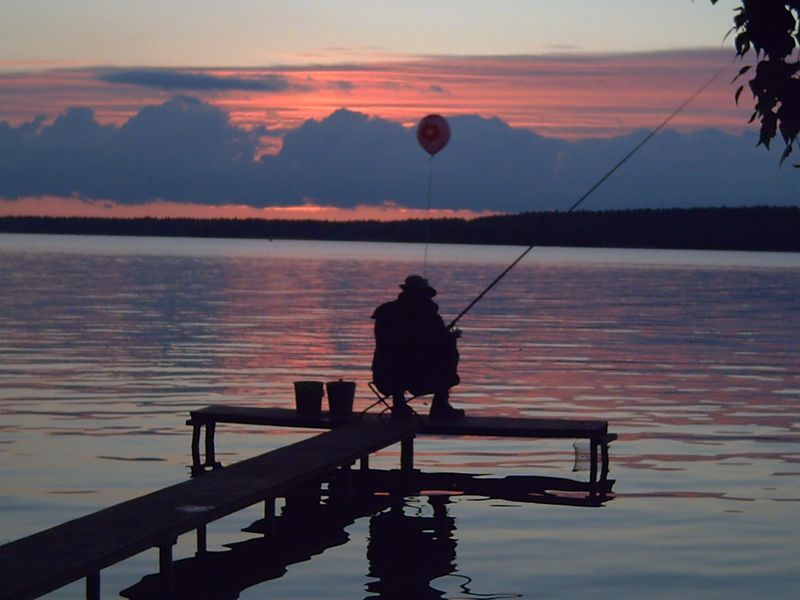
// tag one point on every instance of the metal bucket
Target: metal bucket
(583, 456)
(340, 397)
(308, 397)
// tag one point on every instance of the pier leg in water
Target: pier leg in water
(165, 568)
(211, 459)
(202, 540)
(269, 516)
(604, 461)
(407, 454)
(93, 586)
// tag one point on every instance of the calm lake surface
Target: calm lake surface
(107, 343)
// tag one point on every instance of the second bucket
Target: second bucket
(340, 397)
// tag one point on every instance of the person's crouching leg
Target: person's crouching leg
(441, 407)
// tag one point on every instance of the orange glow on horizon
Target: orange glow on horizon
(54, 206)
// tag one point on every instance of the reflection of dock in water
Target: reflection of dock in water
(529, 489)
(405, 552)
(307, 526)
(40, 563)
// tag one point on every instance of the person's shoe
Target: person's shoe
(446, 411)
(401, 410)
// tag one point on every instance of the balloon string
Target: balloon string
(427, 217)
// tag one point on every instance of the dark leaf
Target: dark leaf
(742, 71)
(789, 130)
(725, 37)
(769, 126)
(738, 93)
(742, 44)
(740, 19)
(786, 153)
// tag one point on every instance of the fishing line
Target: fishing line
(591, 190)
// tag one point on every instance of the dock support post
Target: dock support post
(202, 540)
(347, 484)
(407, 454)
(269, 509)
(197, 465)
(211, 460)
(593, 447)
(93, 586)
(604, 458)
(165, 567)
(364, 463)
(269, 516)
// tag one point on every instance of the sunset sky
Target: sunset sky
(307, 109)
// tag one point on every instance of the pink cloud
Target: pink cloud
(567, 96)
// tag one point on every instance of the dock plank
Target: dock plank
(55, 557)
(469, 425)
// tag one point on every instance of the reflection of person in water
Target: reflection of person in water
(415, 351)
(407, 552)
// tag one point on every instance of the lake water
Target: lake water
(692, 357)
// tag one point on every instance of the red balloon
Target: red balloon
(433, 133)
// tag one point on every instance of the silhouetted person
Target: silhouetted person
(414, 350)
(406, 553)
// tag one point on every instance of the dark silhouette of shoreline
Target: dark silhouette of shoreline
(747, 228)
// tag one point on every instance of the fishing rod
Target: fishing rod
(591, 190)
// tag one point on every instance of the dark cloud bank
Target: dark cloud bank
(188, 151)
(166, 79)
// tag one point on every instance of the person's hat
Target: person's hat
(418, 284)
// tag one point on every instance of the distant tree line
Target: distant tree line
(752, 228)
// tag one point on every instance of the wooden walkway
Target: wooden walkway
(48, 560)
(45, 561)
(596, 431)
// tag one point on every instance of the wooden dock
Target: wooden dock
(81, 548)
(45, 561)
(596, 431)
